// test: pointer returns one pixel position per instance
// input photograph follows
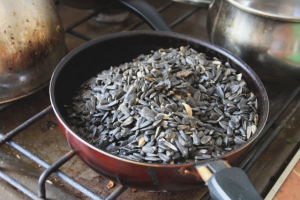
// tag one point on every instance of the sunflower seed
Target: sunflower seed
(170, 145)
(173, 100)
(205, 139)
(196, 139)
(147, 149)
(182, 149)
(164, 157)
(128, 121)
(239, 141)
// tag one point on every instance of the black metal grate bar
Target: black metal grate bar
(18, 185)
(159, 10)
(50, 170)
(116, 193)
(70, 28)
(244, 163)
(58, 173)
(183, 17)
(24, 125)
(4, 106)
(79, 22)
(271, 138)
(80, 35)
(166, 6)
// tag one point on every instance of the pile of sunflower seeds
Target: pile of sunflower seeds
(172, 106)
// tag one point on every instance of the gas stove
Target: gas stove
(37, 163)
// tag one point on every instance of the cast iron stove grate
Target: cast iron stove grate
(256, 151)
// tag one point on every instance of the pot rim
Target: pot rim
(263, 13)
(187, 38)
(15, 98)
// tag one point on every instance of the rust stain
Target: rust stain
(190, 171)
(28, 53)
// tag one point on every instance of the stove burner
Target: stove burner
(113, 14)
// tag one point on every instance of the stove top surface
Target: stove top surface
(264, 163)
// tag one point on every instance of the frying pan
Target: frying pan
(112, 50)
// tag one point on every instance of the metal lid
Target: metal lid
(288, 10)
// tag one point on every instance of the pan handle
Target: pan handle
(147, 12)
(225, 182)
(202, 3)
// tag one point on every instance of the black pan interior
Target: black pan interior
(112, 50)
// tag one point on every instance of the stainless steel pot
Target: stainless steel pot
(31, 45)
(263, 33)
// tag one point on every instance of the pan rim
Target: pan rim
(174, 35)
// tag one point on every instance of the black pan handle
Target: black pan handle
(202, 3)
(227, 183)
(147, 12)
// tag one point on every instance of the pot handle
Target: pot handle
(225, 182)
(147, 12)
